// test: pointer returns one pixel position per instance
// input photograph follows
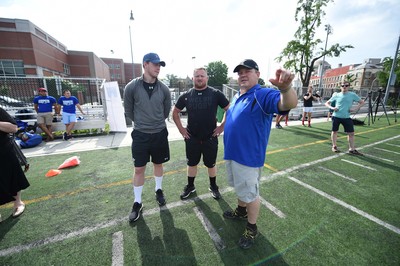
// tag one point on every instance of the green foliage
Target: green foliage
(65, 85)
(300, 53)
(383, 76)
(173, 80)
(4, 90)
(217, 73)
(350, 78)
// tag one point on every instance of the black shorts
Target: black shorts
(346, 122)
(195, 148)
(145, 145)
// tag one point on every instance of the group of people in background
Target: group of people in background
(45, 105)
(147, 102)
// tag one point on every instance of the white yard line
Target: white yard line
(117, 249)
(272, 208)
(337, 174)
(380, 149)
(218, 242)
(379, 158)
(391, 144)
(347, 206)
(358, 164)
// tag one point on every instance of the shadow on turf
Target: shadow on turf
(174, 249)
(6, 225)
(261, 253)
(380, 163)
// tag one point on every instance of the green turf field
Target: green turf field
(318, 208)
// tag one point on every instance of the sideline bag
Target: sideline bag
(20, 155)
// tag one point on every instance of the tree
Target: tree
(299, 53)
(173, 80)
(383, 76)
(217, 73)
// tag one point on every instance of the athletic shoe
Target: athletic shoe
(136, 210)
(335, 149)
(309, 125)
(355, 152)
(278, 126)
(160, 197)
(215, 192)
(235, 215)
(248, 238)
(65, 136)
(187, 190)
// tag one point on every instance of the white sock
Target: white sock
(158, 182)
(137, 193)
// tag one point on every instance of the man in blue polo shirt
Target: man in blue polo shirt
(43, 105)
(247, 128)
(68, 104)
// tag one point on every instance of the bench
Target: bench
(94, 118)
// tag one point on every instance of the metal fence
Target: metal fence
(20, 91)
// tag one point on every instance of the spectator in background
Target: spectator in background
(201, 133)
(279, 118)
(147, 102)
(341, 115)
(308, 99)
(43, 105)
(69, 104)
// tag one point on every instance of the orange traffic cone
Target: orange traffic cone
(70, 162)
(53, 172)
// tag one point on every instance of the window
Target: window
(66, 69)
(12, 68)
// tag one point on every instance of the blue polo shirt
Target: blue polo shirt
(45, 103)
(68, 104)
(248, 125)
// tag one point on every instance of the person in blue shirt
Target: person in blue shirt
(43, 105)
(341, 115)
(69, 104)
(247, 128)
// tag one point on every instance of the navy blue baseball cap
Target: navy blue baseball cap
(247, 63)
(154, 58)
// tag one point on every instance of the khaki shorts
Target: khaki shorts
(245, 180)
(45, 118)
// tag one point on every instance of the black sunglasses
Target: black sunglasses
(346, 85)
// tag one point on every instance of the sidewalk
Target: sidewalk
(121, 139)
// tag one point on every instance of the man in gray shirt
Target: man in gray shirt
(147, 102)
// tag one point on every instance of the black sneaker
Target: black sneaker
(234, 214)
(215, 192)
(187, 191)
(248, 238)
(136, 210)
(355, 152)
(278, 126)
(160, 197)
(65, 136)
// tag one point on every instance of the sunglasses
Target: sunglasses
(346, 85)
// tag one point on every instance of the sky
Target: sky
(188, 34)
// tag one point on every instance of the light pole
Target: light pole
(328, 29)
(130, 38)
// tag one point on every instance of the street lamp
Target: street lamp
(130, 38)
(328, 29)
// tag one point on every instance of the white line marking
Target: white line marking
(379, 158)
(338, 174)
(347, 206)
(272, 208)
(391, 144)
(386, 150)
(218, 242)
(358, 164)
(117, 249)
